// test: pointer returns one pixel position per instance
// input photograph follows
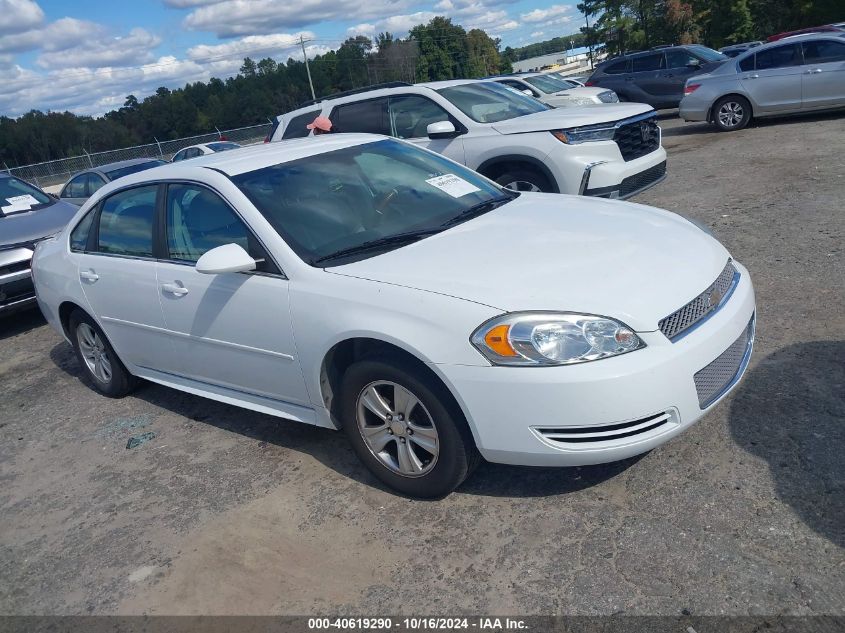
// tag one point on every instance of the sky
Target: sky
(86, 56)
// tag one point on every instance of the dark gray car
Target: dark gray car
(27, 216)
(657, 76)
(82, 186)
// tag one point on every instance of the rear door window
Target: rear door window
(362, 116)
(296, 128)
(679, 58)
(126, 222)
(823, 52)
(648, 62)
(779, 57)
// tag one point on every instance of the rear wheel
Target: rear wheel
(524, 180)
(404, 428)
(97, 358)
(731, 113)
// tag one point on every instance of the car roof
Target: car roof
(436, 85)
(245, 159)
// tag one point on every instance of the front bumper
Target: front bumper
(605, 410)
(16, 289)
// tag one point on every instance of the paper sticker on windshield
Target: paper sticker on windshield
(19, 203)
(453, 185)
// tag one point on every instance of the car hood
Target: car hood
(571, 117)
(29, 226)
(564, 253)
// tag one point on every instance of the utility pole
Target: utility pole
(589, 37)
(302, 41)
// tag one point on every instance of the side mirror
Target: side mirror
(441, 129)
(528, 92)
(229, 258)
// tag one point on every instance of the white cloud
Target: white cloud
(544, 15)
(398, 25)
(187, 4)
(230, 18)
(55, 36)
(252, 45)
(17, 16)
(104, 51)
(538, 34)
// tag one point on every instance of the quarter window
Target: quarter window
(126, 222)
(823, 52)
(75, 188)
(296, 128)
(362, 116)
(79, 235)
(617, 68)
(779, 57)
(95, 181)
(411, 115)
(747, 64)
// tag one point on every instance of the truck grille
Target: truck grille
(638, 138)
(702, 306)
(718, 377)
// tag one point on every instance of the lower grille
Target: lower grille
(638, 138)
(644, 179)
(652, 425)
(715, 379)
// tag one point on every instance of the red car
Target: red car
(827, 28)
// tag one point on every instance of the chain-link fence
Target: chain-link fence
(57, 172)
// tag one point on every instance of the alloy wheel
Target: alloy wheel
(522, 185)
(94, 353)
(731, 114)
(397, 428)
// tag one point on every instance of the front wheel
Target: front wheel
(731, 113)
(524, 180)
(403, 427)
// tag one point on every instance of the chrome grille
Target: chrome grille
(637, 138)
(704, 304)
(715, 379)
(653, 425)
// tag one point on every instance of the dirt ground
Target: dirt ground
(226, 511)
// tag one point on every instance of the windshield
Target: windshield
(114, 174)
(708, 54)
(341, 200)
(547, 83)
(489, 102)
(222, 146)
(18, 196)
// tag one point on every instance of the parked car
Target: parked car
(655, 77)
(201, 149)
(736, 49)
(802, 74)
(361, 283)
(832, 29)
(82, 186)
(556, 92)
(27, 216)
(613, 151)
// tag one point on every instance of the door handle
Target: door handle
(754, 76)
(175, 289)
(88, 275)
(813, 71)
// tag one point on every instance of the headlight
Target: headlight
(544, 338)
(576, 135)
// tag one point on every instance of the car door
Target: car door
(646, 71)
(410, 116)
(775, 83)
(823, 76)
(680, 66)
(76, 190)
(117, 272)
(233, 329)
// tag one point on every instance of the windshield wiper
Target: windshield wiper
(478, 209)
(389, 240)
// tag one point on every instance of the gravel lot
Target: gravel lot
(227, 511)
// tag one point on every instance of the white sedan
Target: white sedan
(361, 283)
(201, 149)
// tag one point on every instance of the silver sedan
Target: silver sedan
(798, 74)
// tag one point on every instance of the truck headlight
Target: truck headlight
(576, 135)
(548, 338)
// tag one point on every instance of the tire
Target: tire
(97, 357)
(524, 180)
(731, 113)
(428, 454)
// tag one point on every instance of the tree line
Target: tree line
(260, 91)
(626, 25)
